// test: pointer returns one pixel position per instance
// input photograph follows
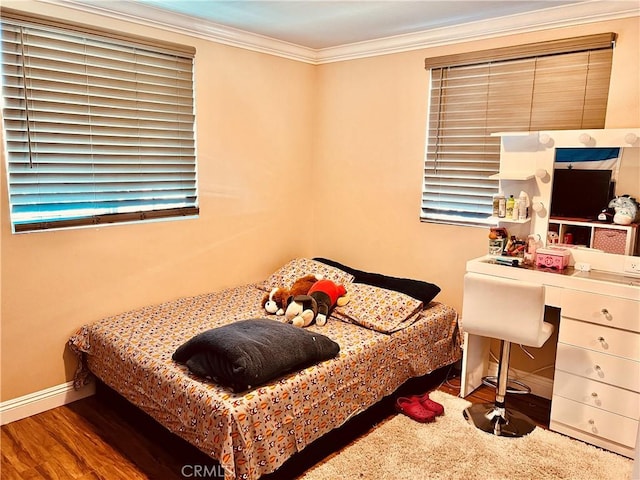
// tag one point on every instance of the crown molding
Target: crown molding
(148, 15)
(549, 18)
(554, 17)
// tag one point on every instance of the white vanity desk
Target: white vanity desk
(596, 390)
(596, 385)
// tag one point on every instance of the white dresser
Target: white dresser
(596, 385)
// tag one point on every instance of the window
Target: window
(99, 127)
(557, 85)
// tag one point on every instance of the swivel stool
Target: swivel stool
(513, 312)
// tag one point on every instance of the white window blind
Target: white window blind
(547, 86)
(98, 128)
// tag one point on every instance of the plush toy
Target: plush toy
(626, 210)
(301, 311)
(317, 304)
(277, 300)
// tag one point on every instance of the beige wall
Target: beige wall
(254, 131)
(371, 136)
(266, 127)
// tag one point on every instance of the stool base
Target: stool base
(513, 386)
(500, 421)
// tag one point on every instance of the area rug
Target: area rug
(450, 448)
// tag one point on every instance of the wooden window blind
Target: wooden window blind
(99, 128)
(547, 86)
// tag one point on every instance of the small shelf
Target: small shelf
(607, 237)
(590, 223)
(512, 176)
(507, 220)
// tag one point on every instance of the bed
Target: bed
(385, 337)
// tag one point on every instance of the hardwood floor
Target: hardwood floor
(104, 437)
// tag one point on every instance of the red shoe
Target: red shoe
(429, 404)
(413, 409)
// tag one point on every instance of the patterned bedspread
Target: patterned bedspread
(253, 433)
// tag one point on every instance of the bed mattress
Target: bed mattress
(252, 433)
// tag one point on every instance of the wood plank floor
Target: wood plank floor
(104, 437)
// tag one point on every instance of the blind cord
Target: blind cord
(26, 97)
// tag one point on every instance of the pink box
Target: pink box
(610, 240)
(553, 257)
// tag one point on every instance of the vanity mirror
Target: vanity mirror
(528, 162)
(585, 180)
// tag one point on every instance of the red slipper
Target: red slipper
(412, 408)
(429, 404)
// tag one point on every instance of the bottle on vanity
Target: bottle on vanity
(499, 206)
(523, 206)
(510, 204)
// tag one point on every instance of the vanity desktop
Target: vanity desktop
(596, 382)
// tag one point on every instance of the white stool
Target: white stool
(512, 311)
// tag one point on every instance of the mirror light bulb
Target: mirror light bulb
(584, 138)
(631, 138)
(544, 139)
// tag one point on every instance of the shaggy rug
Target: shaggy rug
(450, 448)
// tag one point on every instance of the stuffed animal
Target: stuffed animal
(322, 297)
(301, 311)
(626, 210)
(277, 300)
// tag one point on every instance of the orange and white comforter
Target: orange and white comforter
(255, 432)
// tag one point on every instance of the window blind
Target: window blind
(548, 86)
(97, 129)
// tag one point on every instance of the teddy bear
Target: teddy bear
(276, 301)
(317, 304)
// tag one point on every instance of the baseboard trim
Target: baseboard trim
(41, 401)
(540, 386)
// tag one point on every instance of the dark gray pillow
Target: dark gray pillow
(249, 353)
(418, 289)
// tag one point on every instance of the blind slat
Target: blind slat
(117, 38)
(516, 52)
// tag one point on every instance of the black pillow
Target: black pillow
(417, 289)
(248, 353)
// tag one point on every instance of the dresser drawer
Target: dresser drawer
(597, 394)
(598, 366)
(594, 421)
(603, 309)
(599, 338)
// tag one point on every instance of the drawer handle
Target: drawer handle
(594, 394)
(606, 314)
(599, 371)
(603, 343)
(592, 422)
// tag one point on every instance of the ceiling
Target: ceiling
(331, 30)
(321, 24)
